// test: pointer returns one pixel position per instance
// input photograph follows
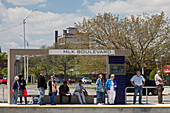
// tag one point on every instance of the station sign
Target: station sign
(81, 52)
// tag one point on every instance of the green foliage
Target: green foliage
(154, 72)
(3, 56)
(1, 73)
(36, 71)
(146, 36)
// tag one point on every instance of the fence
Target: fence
(146, 87)
(2, 94)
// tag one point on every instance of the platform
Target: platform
(130, 108)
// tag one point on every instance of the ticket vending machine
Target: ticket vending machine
(116, 65)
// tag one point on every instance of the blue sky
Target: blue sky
(59, 14)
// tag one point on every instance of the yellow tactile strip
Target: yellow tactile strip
(87, 106)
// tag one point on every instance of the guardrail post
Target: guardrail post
(146, 95)
(125, 95)
(3, 94)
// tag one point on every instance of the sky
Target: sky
(51, 15)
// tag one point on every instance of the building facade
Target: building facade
(68, 36)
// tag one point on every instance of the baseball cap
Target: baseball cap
(112, 75)
(158, 71)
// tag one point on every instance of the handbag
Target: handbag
(11, 89)
(24, 93)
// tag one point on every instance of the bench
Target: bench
(74, 99)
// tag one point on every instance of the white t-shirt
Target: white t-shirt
(157, 80)
(112, 86)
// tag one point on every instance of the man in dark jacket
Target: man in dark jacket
(41, 87)
(64, 91)
(22, 84)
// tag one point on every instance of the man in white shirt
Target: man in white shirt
(79, 92)
(159, 81)
(138, 81)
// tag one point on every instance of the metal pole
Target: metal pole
(3, 94)
(27, 70)
(146, 95)
(125, 95)
(24, 48)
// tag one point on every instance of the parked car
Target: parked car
(3, 80)
(166, 83)
(148, 82)
(71, 80)
(86, 80)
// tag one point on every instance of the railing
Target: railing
(3, 98)
(145, 87)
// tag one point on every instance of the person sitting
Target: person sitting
(64, 91)
(80, 92)
(52, 90)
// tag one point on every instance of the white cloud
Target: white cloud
(42, 6)
(25, 2)
(129, 7)
(40, 26)
(85, 2)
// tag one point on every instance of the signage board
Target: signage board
(81, 52)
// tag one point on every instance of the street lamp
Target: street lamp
(24, 22)
(25, 41)
(26, 76)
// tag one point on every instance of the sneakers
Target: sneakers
(100, 104)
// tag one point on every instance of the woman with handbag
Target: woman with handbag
(22, 89)
(111, 89)
(15, 86)
(80, 92)
(52, 90)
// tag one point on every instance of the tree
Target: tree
(36, 71)
(64, 63)
(88, 64)
(154, 72)
(146, 36)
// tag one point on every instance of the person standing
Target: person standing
(80, 92)
(41, 87)
(22, 84)
(111, 89)
(15, 86)
(64, 91)
(138, 82)
(52, 89)
(100, 88)
(159, 81)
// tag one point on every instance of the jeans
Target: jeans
(42, 92)
(69, 97)
(21, 91)
(138, 89)
(79, 97)
(102, 95)
(52, 97)
(15, 96)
